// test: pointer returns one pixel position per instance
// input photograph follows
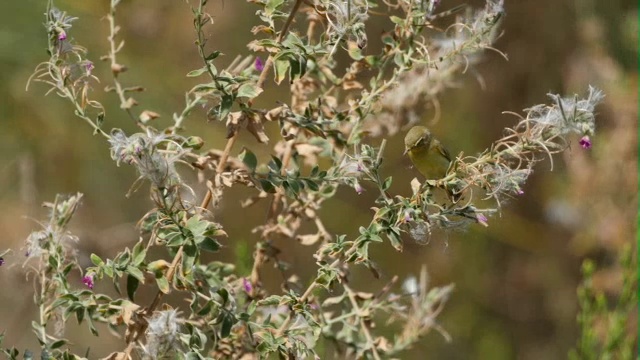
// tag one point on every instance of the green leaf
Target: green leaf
(225, 106)
(224, 294)
(92, 326)
(198, 227)
(122, 260)
(252, 307)
(38, 329)
(249, 159)
(270, 300)
(312, 185)
(67, 269)
(80, 314)
(373, 61)
(135, 272)
(209, 244)
(267, 186)
(396, 20)
(53, 262)
(205, 309)
(288, 190)
(281, 68)
(196, 73)
(194, 142)
(100, 119)
(271, 6)
(376, 238)
(297, 68)
(148, 222)
(139, 253)
(387, 183)
(275, 164)
(96, 260)
(395, 240)
(228, 320)
(249, 90)
(189, 258)
(163, 284)
(57, 344)
(174, 239)
(355, 53)
(132, 286)
(213, 55)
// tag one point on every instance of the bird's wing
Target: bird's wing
(442, 150)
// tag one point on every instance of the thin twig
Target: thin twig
(115, 67)
(363, 325)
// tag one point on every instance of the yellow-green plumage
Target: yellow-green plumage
(429, 157)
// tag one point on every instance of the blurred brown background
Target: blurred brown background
(516, 281)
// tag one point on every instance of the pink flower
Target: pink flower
(585, 142)
(62, 35)
(259, 65)
(482, 220)
(520, 192)
(359, 189)
(89, 66)
(1, 261)
(246, 284)
(88, 280)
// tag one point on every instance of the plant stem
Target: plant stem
(363, 325)
(113, 31)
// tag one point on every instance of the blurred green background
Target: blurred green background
(516, 280)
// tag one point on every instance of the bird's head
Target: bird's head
(417, 137)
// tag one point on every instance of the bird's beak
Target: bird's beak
(405, 152)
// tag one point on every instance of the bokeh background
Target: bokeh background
(516, 280)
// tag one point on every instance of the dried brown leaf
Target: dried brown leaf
(233, 123)
(309, 239)
(255, 127)
(148, 115)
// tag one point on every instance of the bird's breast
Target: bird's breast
(429, 162)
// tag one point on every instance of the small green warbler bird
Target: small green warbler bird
(426, 153)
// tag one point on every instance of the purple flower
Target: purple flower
(520, 192)
(585, 142)
(482, 220)
(62, 35)
(1, 261)
(407, 216)
(88, 280)
(358, 187)
(246, 284)
(89, 66)
(259, 64)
